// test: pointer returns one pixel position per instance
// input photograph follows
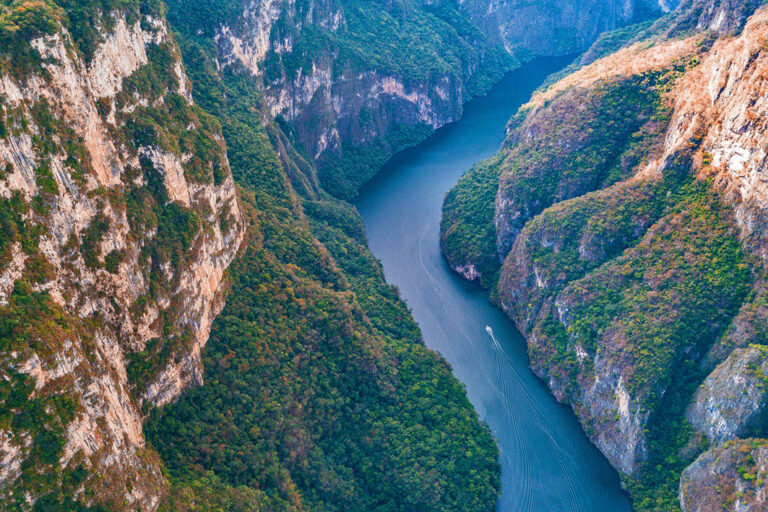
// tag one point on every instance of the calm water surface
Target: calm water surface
(548, 464)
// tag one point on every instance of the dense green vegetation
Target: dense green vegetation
(609, 130)
(345, 174)
(607, 274)
(681, 284)
(416, 42)
(708, 276)
(383, 38)
(573, 238)
(376, 35)
(467, 231)
(32, 322)
(683, 281)
(14, 228)
(651, 273)
(319, 393)
(581, 141)
(309, 401)
(404, 39)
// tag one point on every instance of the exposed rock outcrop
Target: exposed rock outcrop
(730, 477)
(123, 236)
(709, 108)
(349, 93)
(733, 396)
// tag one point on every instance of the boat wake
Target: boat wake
(559, 451)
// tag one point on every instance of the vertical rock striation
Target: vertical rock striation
(106, 304)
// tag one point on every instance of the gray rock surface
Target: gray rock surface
(733, 396)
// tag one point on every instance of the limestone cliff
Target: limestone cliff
(630, 218)
(118, 226)
(708, 96)
(347, 80)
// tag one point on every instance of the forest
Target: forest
(319, 393)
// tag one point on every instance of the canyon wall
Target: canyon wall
(354, 82)
(627, 234)
(118, 226)
(357, 81)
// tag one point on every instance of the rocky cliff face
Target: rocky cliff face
(703, 99)
(560, 27)
(630, 217)
(347, 80)
(727, 478)
(118, 226)
(119, 218)
(732, 398)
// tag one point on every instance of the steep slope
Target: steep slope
(355, 81)
(629, 215)
(118, 223)
(120, 217)
(320, 394)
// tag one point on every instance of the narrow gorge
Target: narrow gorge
(191, 317)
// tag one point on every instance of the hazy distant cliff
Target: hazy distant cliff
(559, 27)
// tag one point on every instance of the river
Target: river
(548, 464)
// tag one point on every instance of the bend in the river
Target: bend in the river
(548, 464)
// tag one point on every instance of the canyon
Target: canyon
(190, 317)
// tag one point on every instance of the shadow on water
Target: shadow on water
(548, 464)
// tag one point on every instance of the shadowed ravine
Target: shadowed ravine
(548, 464)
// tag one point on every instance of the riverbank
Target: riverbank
(547, 461)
